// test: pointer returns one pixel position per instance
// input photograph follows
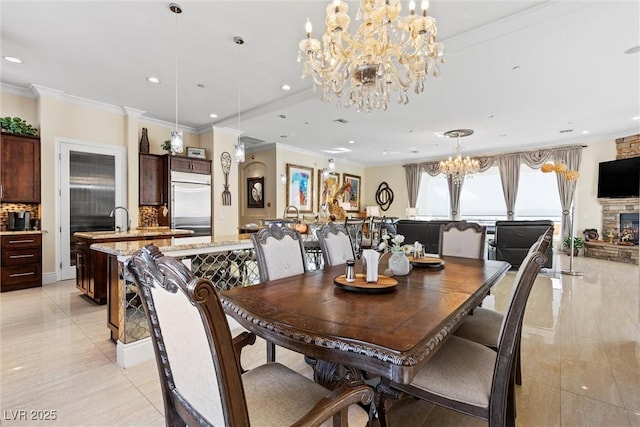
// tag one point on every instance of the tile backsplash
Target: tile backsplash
(5, 208)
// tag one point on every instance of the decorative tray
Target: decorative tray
(429, 262)
(384, 284)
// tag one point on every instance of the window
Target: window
(538, 196)
(482, 198)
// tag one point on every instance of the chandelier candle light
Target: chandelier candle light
(458, 167)
(387, 53)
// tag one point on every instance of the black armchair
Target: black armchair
(514, 238)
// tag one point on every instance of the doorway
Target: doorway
(92, 183)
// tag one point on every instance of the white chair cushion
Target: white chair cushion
(282, 257)
(188, 351)
(338, 248)
(466, 244)
(278, 396)
(483, 327)
(461, 370)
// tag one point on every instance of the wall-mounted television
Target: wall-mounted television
(619, 178)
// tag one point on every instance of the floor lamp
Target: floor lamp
(571, 271)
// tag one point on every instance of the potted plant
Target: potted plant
(577, 245)
(17, 126)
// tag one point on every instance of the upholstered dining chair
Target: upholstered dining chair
(470, 378)
(198, 361)
(335, 244)
(280, 253)
(462, 239)
(485, 324)
(355, 229)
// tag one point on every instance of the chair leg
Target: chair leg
(271, 352)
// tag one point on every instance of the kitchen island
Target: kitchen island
(228, 261)
(90, 266)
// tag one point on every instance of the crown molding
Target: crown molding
(132, 112)
(17, 90)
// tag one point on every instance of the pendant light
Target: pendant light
(239, 149)
(177, 145)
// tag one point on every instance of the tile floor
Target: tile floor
(580, 354)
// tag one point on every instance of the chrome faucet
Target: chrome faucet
(287, 209)
(113, 211)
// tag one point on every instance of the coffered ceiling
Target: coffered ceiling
(522, 74)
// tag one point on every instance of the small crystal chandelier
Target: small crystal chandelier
(239, 148)
(458, 168)
(176, 136)
(387, 53)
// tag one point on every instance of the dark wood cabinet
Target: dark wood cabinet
(153, 179)
(21, 261)
(19, 169)
(186, 164)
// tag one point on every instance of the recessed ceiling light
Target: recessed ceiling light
(153, 79)
(584, 132)
(490, 116)
(352, 142)
(213, 115)
(439, 134)
(636, 118)
(285, 87)
(13, 59)
(336, 150)
(516, 68)
(385, 152)
(632, 50)
(201, 86)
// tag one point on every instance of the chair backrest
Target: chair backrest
(200, 378)
(514, 238)
(462, 239)
(279, 251)
(354, 228)
(512, 325)
(335, 244)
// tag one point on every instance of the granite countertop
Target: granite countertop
(176, 244)
(139, 232)
(10, 233)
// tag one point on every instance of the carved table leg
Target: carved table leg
(331, 375)
(384, 395)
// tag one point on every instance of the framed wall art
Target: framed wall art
(352, 196)
(255, 192)
(300, 187)
(327, 187)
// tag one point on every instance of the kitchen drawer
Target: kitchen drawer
(20, 256)
(21, 276)
(21, 241)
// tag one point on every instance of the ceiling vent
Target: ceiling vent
(341, 121)
(250, 140)
(566, 131)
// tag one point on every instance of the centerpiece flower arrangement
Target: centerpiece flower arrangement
(398, 262)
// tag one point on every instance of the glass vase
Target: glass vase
(399, 264)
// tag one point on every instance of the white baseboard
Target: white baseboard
(128, 355)
(49, 278)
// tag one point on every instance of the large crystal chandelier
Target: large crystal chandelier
(457, 168)
(387, 53)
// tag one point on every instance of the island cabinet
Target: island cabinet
(21, 261)
(92, 267)
(19, 169)
(185, 164)
(153, 179)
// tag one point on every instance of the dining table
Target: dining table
(391, 332)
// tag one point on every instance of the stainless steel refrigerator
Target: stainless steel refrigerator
(191, 202)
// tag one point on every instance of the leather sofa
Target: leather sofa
(513, 239)
(425, 232)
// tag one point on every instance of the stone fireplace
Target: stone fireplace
(619, 238)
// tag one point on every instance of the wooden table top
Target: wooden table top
(390, 334)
